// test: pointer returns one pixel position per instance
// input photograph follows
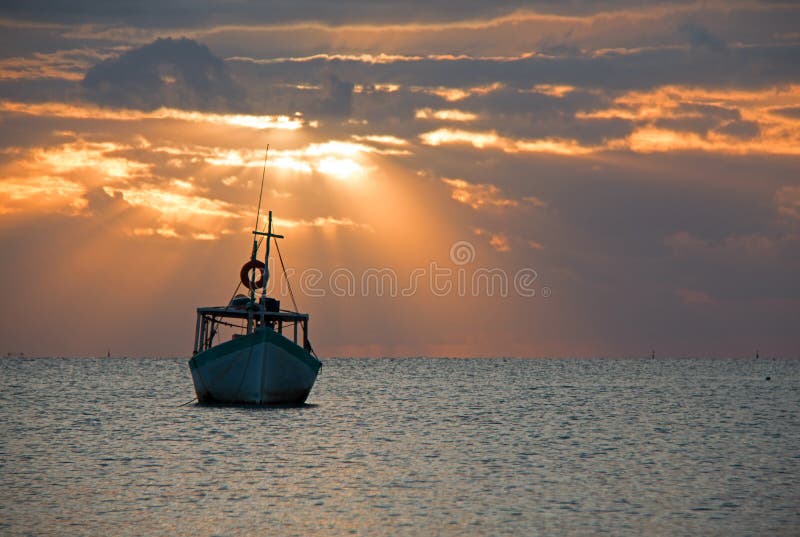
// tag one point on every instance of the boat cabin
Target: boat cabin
(245, 317)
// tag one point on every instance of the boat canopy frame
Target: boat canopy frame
(258, 317)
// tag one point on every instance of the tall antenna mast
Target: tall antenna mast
(268, 235)
(261, 191)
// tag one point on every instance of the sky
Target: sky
(496, 179)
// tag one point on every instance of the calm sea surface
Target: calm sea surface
(405, 447)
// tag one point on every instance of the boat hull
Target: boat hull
(263, 368)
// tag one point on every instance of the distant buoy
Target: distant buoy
(769, 378)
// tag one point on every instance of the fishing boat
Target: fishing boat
(263, 362)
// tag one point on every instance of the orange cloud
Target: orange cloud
(370, 88)
(551, 90)
(44, 193)
(322, 221)
(64, 64)
(373, 59)
(379, 59)
(84, 111)
(492, 140)
(80, 155)
(458, 94)
(777, 134)
(383, 139)
(483, 195)
(499, 242)
(177, 206)
(445, 115)
(654, 140)
(56, 178)
(166, 232)
(336, 158)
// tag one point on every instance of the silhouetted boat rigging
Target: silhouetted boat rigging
(259, 365)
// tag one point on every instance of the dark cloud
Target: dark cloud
(700, 125)
(338, 98)
(740, 129)
(789, 111)
(159, 13)
(168, 72)
(756, 66)
(700, 37)
(99, 202)
(40, 90)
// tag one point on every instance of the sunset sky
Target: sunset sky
(638, 164)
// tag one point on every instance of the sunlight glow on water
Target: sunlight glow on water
(405, 447)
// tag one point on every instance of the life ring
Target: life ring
(244, 274)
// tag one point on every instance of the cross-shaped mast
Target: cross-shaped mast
(269, 235)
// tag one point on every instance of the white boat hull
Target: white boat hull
(260, 368)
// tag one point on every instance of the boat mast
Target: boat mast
(269, 235)
(266, 257)
(254, 255)
(261, 192)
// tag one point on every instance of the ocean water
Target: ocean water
(406, 447)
